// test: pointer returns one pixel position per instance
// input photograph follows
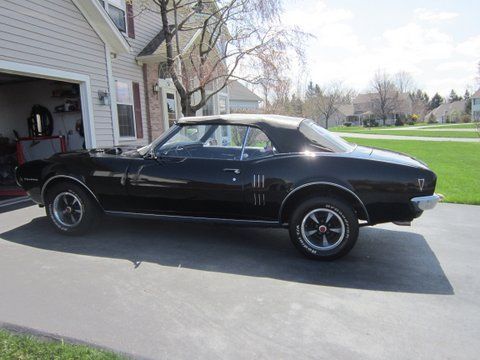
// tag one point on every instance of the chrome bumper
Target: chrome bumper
(426, 202)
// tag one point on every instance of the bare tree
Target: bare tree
(278, 98)
(324, 104)
(404, 82)
(386, 99)
(419, 101)
(233, 39)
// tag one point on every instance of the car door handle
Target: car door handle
(235, 171)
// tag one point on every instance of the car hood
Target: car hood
(377, 154)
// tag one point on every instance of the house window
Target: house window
(222, 105)
(171, 108)
(116, 9)
(208, 107)
(126, 120)
(476, 101)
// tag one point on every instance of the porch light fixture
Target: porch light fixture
(156, 88)
(104, 97)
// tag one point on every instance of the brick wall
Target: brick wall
(154, 104)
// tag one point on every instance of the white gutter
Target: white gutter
(103, 25)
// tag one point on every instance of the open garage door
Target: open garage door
(38, 117)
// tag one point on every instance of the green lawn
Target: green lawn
(462, 126)
(361, 128)
(23, 347)
(456, 164)
(413, 132)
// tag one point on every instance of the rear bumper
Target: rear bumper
(422, 203)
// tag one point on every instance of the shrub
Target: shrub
(465, 118)
(370, 123)
(414, 117)
(347, 124)
(431, 119)
(398, 122)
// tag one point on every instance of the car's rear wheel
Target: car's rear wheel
(324, 228)
(71, 210)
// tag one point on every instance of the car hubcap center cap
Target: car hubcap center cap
(323, 229)
(68, 210)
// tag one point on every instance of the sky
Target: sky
(437, 42)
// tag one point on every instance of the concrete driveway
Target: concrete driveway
(189, 291)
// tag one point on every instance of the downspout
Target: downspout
(113, 96)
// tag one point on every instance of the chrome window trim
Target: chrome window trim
(244, 143)
(321, 183)
(44, 187)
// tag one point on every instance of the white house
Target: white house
(476, 106)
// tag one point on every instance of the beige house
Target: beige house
(96, 65)
(449, 112)
(366, 105)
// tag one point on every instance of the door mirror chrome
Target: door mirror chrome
(151, 155)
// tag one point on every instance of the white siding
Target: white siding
(147, 26)
(243, 105)
(54, 34)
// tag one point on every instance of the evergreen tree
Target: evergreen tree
(436, 101)
(453, 97)
(296, 106)
(312, 90)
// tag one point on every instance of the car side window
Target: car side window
(258, 145)
(205, 142)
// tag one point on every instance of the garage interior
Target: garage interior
(38, 118)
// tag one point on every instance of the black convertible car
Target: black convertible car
(260, 170)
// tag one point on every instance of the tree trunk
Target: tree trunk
(186, 106)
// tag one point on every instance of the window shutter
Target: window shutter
(138, 109)
(130, 22)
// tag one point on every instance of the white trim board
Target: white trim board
(16, 68)
(102, 24)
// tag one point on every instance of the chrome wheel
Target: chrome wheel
(323, 229)
(67, 209)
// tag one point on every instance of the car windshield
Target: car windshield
(147, 148)
(323, 138)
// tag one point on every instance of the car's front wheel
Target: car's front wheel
(71, 210)
(324, 228)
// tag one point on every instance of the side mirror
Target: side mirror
(151, 155)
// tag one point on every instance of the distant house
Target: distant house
(365, 107)
(450, 112)
(242, 99)
(476, 106)
(344, 113)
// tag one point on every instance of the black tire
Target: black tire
(90, 212)
(340, 232)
